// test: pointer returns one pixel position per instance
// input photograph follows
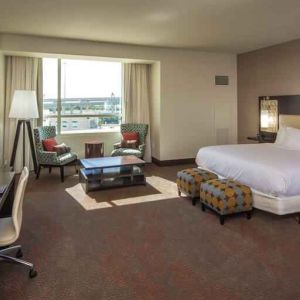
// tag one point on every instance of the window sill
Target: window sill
(90, 132)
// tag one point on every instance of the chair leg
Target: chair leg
(38, 172)
(222, 219)
(179, 193)
(62, 176)
(203, 206)
(32, 272)
(194, 200)
(248, 214)
(50, 170)
(10, 249)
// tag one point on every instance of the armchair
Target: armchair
(142, 130)
(47, 158)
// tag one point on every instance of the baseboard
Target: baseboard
(173, 162)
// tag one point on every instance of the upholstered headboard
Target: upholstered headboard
(289, 120)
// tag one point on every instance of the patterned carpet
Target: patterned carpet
(159, 249)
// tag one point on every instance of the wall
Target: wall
(269, 71)
(192, 111)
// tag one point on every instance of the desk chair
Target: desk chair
(10, 228)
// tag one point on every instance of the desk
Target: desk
(7, 182)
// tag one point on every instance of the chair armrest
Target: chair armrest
(47, 157)
(142, 148)
(117, 145)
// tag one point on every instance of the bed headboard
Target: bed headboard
(289, 120)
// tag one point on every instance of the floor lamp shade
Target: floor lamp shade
(24, 105)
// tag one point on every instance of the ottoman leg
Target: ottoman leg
(203, 206)
(248, 214)
(222, 219)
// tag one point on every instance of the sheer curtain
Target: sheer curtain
(137, 98)
(21, 73)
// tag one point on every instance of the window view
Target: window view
(81, 95)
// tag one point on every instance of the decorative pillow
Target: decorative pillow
(48, 144)
(130, 136)
(291, 139)
(130, 140)
(280, 135)
(133, 144)
(61, 149)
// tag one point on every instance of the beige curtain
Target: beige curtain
(137, 98)
(21, 73)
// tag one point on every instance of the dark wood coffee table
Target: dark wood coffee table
(109, 172)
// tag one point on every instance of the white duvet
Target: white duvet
(264, 167)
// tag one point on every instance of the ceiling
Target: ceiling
(218, 25)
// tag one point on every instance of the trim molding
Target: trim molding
(173, 162)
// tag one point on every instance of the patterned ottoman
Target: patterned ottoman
(189, 180)
(226, 197)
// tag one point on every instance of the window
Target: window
(81, 95)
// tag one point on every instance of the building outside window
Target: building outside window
(82, 95)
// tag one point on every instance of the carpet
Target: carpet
(166, 249)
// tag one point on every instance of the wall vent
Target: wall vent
(221, 80)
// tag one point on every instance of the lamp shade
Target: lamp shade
(24, 105)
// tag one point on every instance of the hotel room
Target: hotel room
(149, 150)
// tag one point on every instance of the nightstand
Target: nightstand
(262, 138)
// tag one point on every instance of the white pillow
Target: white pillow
(291, 138)
(280, 136)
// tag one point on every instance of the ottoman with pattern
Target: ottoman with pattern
(226, 197)
(189, 180)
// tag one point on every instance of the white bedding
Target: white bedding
(266, 168)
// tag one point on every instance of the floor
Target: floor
(163, 249)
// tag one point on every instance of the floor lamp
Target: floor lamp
(24, 108)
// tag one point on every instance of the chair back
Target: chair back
(42, 133)
(17, 210)
(141, 129)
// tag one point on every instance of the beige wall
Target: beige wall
(188, 111)
(269, 71)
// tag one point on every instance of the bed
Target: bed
(270, 170)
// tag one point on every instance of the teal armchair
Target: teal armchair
(50, 159)
(142, 130)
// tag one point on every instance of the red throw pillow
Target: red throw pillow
(49, 144)
(130, 136)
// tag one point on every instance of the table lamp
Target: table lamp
(24, 108)
(268, 115)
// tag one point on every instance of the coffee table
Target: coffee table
(110, 172)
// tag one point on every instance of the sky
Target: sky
(82, 78)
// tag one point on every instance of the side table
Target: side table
(94, 149)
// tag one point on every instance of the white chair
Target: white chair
(10, 227)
